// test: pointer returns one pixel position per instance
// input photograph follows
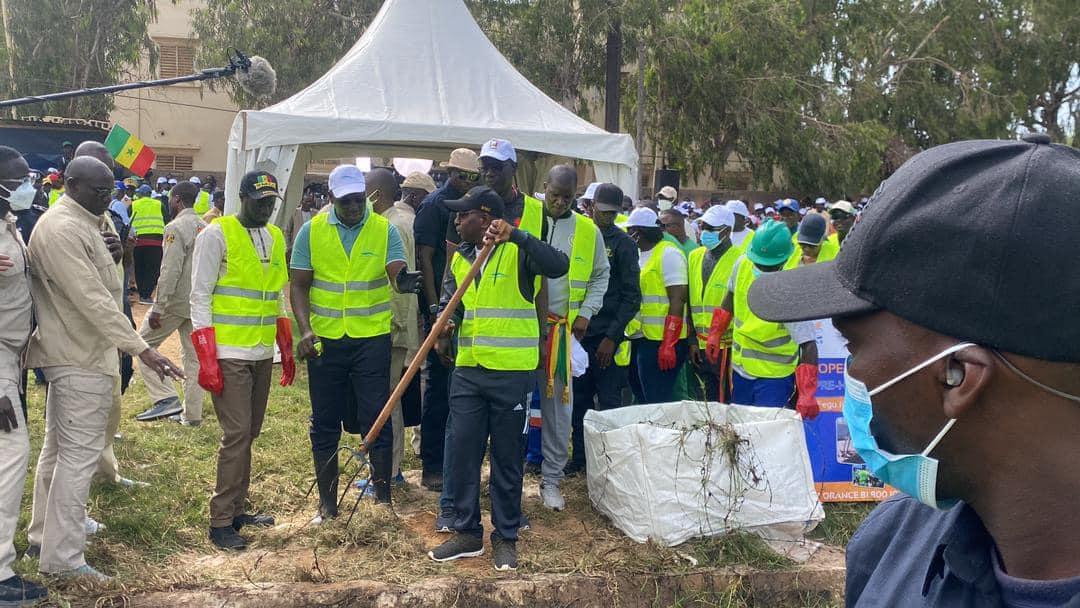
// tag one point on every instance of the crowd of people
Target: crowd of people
(653, 291)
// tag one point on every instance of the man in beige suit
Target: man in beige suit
(172, 313)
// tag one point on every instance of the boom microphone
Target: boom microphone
(258, 79)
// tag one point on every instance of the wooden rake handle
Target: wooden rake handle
(426, 347)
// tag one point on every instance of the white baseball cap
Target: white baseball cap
(173, 181)
(499, 149)
(668, 192)
(590, 191)
(737, 207)
(821, 200)
(345, 180)
(642, 217)
(718, 215)
(195, 180)
(162, 180)
(759, 207)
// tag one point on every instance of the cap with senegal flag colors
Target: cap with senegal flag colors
(259, 185)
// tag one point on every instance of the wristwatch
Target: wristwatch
(433, 310)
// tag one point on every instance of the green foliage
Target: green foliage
(302, 39)
(69, 44)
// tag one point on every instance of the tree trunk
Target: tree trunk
(612, 90)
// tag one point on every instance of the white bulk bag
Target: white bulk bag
(664, 471)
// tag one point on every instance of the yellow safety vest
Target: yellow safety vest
(54, 195)
(654, 298)
(763, 349)
(500, 330)
(202, 202)
(828, 251)
(146, 216)
(350, 294)
(708, 296)
(582, 260)
(245, 300)
(532, 218)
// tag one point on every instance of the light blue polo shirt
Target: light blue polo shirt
(301, 253)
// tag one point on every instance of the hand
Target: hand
(605, 353)
(578, 329)
(498, 232)
(444, 348)
(6, 263)
(409, 282)
(8, 420)
(695, 354)
(448, 330)
(305, 348)
(285, 345)
(154, 320)
(161, 365)
(116, 248)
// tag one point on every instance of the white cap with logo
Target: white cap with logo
(718, 215)
(739, 207)
(499, 149)
(642, 217)
(590, 191)
(345, 180)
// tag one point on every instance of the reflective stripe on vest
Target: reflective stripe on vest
(582, 260)
(245, 301)
(762, 349)
(706, 297)
(202, 202)
(146, 216)
(499, 330)
(350, 294)
(654, 299)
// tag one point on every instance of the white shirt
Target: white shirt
(737, 238)
(801, 331)
(208, 264)
(15, 303)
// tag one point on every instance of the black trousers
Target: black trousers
(435, 409)
(147, 262)
(488, 404)
(349, 384)
(599, 389)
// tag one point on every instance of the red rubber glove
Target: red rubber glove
(205, 342)
(665, 357)
(806, 383)
(721, 319)
(284, 342)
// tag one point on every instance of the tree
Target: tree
(58, 45)
(302, 39)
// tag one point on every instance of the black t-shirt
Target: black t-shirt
(430, 226)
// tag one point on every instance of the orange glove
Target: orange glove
(284, 342)
(665, 357)
(205, 342)
(721, 319)
(806, 384)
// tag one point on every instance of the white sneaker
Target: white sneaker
(93, 526)
(124, 482)
(552, 497)
(316, 521)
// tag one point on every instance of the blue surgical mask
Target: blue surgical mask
(913, 474)
(710, 239)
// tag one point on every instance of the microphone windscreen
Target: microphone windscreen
(259, 80)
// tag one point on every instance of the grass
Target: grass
(156, 537)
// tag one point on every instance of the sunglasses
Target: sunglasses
(469, 176)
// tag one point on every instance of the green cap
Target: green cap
(771, 245)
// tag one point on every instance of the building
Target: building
(186, 124)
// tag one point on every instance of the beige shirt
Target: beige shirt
(16, 307)
(211, 215)
(404, 331)
(77, 293)
(174, 284)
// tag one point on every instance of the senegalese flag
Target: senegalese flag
(128, 151)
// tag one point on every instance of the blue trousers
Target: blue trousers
(769, 392)
(650, 385)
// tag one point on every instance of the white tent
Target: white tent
(422, 80)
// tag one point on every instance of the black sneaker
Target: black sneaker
(460, 545)
(257, 520)
(523, 523)
(227, 538)
(532, 468)
(505, 554)
(16, 591)
(431, 481)
(444, 523)
(162, 409)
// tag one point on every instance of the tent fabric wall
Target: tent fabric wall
(409, 93)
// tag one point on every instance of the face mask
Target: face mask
(710, 239)
(912, 474)
(22, 197)
(664, 204)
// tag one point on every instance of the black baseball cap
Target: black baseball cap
(608, 197)
(479, 198)
(259, 184)
(974, 239)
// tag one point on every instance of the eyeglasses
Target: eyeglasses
(469, 176)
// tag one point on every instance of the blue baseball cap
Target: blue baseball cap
(789, 204)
